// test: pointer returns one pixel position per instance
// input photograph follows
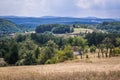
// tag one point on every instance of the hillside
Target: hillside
(6, 27)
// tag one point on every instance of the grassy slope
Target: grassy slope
(96, 69)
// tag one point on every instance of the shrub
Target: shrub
(2, 62)
(92, 49)
(66, 54)
(116, 51)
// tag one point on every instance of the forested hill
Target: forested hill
(7, 26)
(112, 27)
(35, 21)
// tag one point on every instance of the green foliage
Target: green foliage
(93, 49)
(112, 27)
(37, 53)
(4, 48)
(7, 27)
(79, 41)
(69, 40)
(65, 54)
(52, 60)
(9, 51)
(118, 41)
(102, 48)
(116, 51)
(95, 38)
(46, 48)
(107, 42)
(24, 28)
(48, 52)
(45, 37)
(61, 29)
(20, 38)
(27, 53)
(55, 28)
(12, 57)
(27, 59)
(2, 62)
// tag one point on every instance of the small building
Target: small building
(75, 50)
(76, 53)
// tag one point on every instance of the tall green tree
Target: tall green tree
(48, 52)
(81, 42)
(12, 56)
(107, 42)
(37, 53)
(27, 52)
(102, 48)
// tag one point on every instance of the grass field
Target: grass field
(82, 30)
(85, 69)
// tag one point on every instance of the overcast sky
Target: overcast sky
(65, 8)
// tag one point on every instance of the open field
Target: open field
(90, 69)
(82, 30)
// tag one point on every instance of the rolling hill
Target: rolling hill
(35, 21)
(6, 26)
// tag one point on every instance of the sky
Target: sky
(63, 8)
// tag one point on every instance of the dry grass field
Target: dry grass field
(85, 69)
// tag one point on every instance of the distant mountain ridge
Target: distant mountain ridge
(6, 26)
(35, 21)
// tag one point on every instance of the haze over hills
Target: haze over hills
(6, 26)
(35, 21)
(11, 24)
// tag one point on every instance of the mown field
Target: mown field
(82, 30)
(85, 69)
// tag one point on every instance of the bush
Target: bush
(116, 51)
(2, 62)
(66, 54)
(92, 49)
(52, 61)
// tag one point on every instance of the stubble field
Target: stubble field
(85, 69)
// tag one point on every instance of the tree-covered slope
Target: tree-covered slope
(7, 27)
(55, 28)
(113, 27)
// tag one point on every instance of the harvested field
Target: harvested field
(90, 69)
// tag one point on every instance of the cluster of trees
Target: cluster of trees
(112, 27)
(28, 50)
(107, 44)
(46, 48)
(55, 28)
(97, 38)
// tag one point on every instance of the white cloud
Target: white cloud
(89, 4)
(76, 8)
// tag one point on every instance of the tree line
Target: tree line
(54, 28)
(45, 48)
